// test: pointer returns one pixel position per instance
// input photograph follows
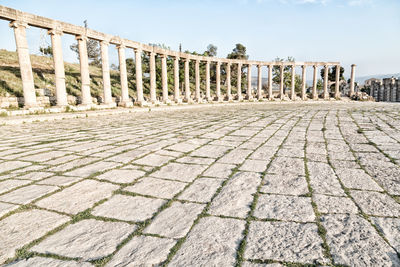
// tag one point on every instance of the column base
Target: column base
(142, 103)
(167, 101)
(218, 99)
(249, 97)
(178, 101)
(110, 104)
(126, 104)
(260, 97)
(229, 98)
(239, 98)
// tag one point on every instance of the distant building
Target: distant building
(369, 82)
(386, 90)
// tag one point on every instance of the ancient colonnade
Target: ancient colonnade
(387, 90)
(20, 21)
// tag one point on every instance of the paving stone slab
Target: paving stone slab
(6, 208)
(211, 242)
(357, 179)
(156, 187)
(153, 160)
(79, 197)
(390, 227)
(375, 203)
(219, 170)
(59, 180)
(176, 220)
(143, 251)
(323, 180)
(8, 185)
(22, 228)
(12, 165)
(27, 194)
(39, 261)
(237, 195)
(179, 171)
(285, 166)
(236, 156)
(202, 190)
(354, 242)
(253, 165)
(87, 239)
(42, 157)
(285, 184)
(210, 151)
(196, 160)
(284, 241)
(92, 168)
(121, 176)
(35, 176)
(287, 208)
(333, 204)
(128, 208)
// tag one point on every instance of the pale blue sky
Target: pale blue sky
(364, 32)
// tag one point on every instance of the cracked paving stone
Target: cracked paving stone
(284, 241)
(121, 176)
(354, 242)
(128, 208)
(375, 203)
(22, 228)
(175, 221)
(88, 239)
(165, 188)
(333, 204)
(39, 261)
(142, 251)
(390, 227)
(180, 172)
(27, 194)
(79, 197)
(288, 208)
(202, 190)
(212, 242)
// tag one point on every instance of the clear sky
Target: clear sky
(364, 32)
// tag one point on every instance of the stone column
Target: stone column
(259, 82)
(270, 96)
(239, 82)
(352, 79)
(61, 92)
(281, 82)
(292, 83)
(139, 78)
(218, 81)
(24, 63)
(249, 94)
(228, 82)
(105, 66)
(176, 81)
(314, 88)
(303, 82)
(197, 73)
(125, 101)
(208, 93)
(164, 79)
(153, 95)
(337, 91)
(187, 81)
(84, 65)
(326, 92)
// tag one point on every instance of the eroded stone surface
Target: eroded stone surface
(156, 187)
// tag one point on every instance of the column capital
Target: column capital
(81, 37)
(353, 65)
(121, 46)
(105, 42)
(152, 53)
(259, 66)
(137, 49)
(218, 63)
(303, 66)
(315, 66)
(55, 31)
(18, 23)
(163, 55)
(177, 57)
(187, 59)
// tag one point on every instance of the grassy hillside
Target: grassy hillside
(43, 74)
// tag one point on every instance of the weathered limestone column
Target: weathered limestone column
(153, 95)
(208, 92)
(326, 93)
(24, 63)
(292, 84)
(105, 66)
(125, 101)
(228, 82)
(176, 80)
(187, 81)
(352, 79)
(281, 83)
(249, 95)
(303, 82)
(197, 73)
(270, 97)
(314, 87)
(259, 82)
(239, 82)
(61, 92)
(337, 91)
(218, 81)
(84, 65)
(139, 78)
(164, 79)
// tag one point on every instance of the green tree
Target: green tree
(46, 51)
(239, 52)
(332, 74)
(287, 75)
(93, 50)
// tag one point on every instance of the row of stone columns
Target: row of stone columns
(61, 94)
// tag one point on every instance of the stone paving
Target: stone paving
(244, 185)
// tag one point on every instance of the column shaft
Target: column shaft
(164, 79)
(197, 90)
(281, 82)
(239, 82)
(187, 81)
(228, 82)
(259, 82)
(249, 93)
(292, 83)
(270, 96)
(208, 93)
(153, 95)
(24, 63)
(139, 78)
(125, 101)
(176, 80)
(337, 91)
(105, 66)
(84, 66)
(314, 88)
(61, 92)
(326, 93)
(303, 82)
(218, 81)
(352, 79)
